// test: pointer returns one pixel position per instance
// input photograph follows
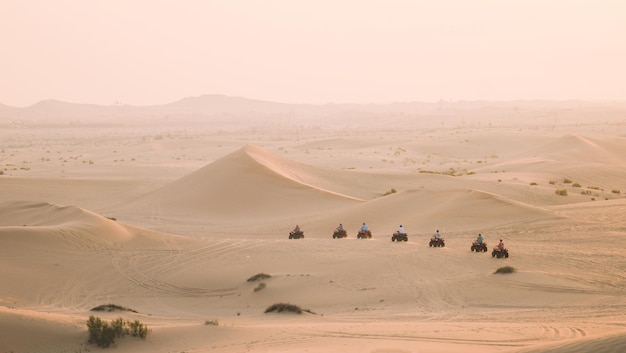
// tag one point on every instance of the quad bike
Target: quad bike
(500, 253)
(479, 247)
(397, 236)
(437, 242)
(340, 234)
(296, 235)
(364, 234)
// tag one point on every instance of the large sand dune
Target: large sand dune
(171, 223)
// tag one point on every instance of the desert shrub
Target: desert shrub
(137, 329)
(100, 332)
(533, 183)
(103, 334)
(552, 182)
(561, 192)
(595, 188)
(258, 276)
(391, 191)
(615, 191)
(282, 307)
(567, 181)
(576, 185)
(504, 270)
(111, 307)
(259, 287)
(1, 172)
(213, 322)
(585, 192)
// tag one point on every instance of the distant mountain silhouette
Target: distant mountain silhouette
(216, 105)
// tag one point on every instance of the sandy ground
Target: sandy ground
(172, 221)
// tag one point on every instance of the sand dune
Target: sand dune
(248, 183)
(195, 220)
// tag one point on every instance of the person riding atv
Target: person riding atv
(400, 235)
(296, 233)
(479, 245)
(500, 251)
(437, 240)
(364, 232)
(340, 232)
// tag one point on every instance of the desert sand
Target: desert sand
(170, 214)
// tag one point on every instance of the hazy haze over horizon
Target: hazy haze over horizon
(155, 52)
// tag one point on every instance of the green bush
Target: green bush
(103, 334)
(561, 192)
(137, 329)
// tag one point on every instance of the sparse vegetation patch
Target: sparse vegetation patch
(111, 307)
(259, 287)
(283, 308)
(615, 191)
(533, 183)
(561, 192)
(258, 277)
(567, 181)
(504, 270)
(103, 333)
(391, 191)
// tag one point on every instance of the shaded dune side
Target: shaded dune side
(421, 210)
(578, 148)
(250, 182)
(610, 344)
(48, 222)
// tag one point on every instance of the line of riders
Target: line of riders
(479, 245)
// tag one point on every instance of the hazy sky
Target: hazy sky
(146, 52)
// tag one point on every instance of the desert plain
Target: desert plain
(169, 210)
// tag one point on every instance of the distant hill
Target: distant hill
(220, 106)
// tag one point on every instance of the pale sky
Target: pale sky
(144, 52)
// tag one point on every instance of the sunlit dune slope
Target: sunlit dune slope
(250, 182)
